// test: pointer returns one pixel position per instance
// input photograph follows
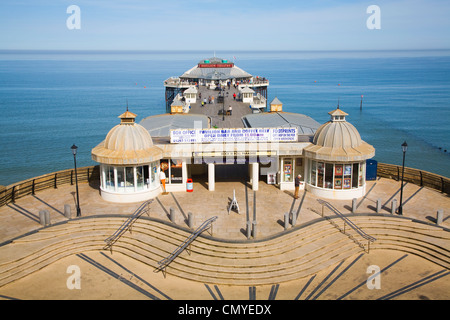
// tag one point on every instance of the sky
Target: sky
(225, 25)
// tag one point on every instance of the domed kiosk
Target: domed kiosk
(129, 162)
(337, 160)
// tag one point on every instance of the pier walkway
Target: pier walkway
(214, 109)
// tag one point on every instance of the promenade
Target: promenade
(117, 276)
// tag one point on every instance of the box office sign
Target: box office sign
(233, 135)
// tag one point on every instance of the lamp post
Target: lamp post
(404, 148)
(74, 152)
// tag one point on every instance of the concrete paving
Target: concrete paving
(106, 276)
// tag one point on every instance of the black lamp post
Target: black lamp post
(74, 152)
(404, 148)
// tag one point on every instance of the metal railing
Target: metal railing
(348, 222)
(164, 263)
(127, 224)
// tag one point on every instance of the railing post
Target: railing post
(13, 196)
(55, 181)
(32, 187)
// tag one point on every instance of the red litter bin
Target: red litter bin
(189, 185)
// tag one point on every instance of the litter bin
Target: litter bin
(371, 169)
(189, 185)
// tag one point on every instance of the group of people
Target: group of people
(204, 101)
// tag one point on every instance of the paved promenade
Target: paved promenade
(271, 203)
(106, 276)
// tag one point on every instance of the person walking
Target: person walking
(297, 185)
(162, 178)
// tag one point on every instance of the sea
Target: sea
(50, 100)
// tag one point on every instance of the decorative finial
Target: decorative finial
(127, 104)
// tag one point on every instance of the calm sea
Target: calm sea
(50, 100)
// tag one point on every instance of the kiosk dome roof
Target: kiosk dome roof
(339, 140)
(127, 143)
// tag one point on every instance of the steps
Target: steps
(301, 252)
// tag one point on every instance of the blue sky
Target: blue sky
(224, 25)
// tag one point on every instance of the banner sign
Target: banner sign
(213, 65)
(233, 135)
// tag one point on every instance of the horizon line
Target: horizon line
(203, 50)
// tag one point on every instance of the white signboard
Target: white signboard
(233, 135)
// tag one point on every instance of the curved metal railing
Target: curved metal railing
(348, 222)
(164, 263)
(127, 224)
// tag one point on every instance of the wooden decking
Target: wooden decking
(214, 110)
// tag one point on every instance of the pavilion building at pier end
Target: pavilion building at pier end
(331, 158)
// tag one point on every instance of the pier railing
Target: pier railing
(48, 181)
(419, 177)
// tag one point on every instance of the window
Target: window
(109, 178)
(287, 170)
(129, 183)
(336, 175)
(140, 178)
(329, 175)
(320, 172)
(176, 171)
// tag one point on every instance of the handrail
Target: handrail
(346, 220)
(164, 263)
(127, 224)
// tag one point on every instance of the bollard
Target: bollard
(190, 220)
(42, 217)
(378, 205)
(172, 215)
(286, 220)
(67, 212)
(254, 229)
(393, 206)
(249, 229)
(439, 216)
(294, 218)
(47, 217)
(354, 200)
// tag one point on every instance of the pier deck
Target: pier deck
(214, 110)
